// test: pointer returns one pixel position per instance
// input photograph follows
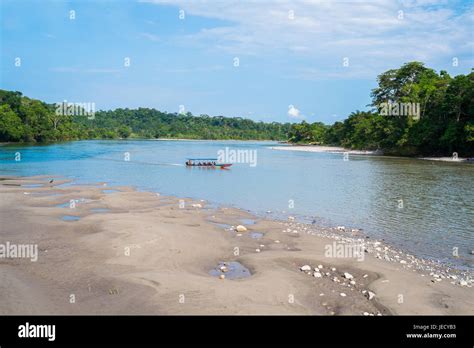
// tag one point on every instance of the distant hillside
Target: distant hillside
(28, 120)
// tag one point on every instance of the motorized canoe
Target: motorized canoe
(206, 163)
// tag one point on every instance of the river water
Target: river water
(424, 207)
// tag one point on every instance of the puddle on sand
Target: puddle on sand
(100, 210)
(247, 222)
(110, 191)
(231, 270)
(32, 185)
(66, 184)
(46, 194)
(68, 203)
(224, 226)
(256, 235)
(70, 218)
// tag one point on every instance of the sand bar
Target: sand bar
(135, 252)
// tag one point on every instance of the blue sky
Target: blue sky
(290, 53)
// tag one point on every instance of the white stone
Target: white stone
(305, 268)
(370, 295)
(343, 294)
(403, 262)
(241, 228)
(320, 266)
(348, 275)
(317, 275)
(353, 282)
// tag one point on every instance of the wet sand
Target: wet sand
(321, 148)
(143, 253)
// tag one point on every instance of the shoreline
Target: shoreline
(172, 250)
(288, 147)
(338, 149)
(326, 149)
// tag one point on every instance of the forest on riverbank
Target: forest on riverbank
(414, 111)
(28, 120)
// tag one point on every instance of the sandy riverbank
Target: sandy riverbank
(147, 254)
(337, 149)
(320, 148)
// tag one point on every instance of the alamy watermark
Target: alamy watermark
(345, 250)
(228, 155)
(76, 109)
(13, 251)
(400, 109)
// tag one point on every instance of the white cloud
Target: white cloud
(150, 37)
(293, 112)
(84, 70)
(369, 32)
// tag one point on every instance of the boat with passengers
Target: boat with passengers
(207, 163)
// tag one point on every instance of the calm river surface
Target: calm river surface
(436, 215)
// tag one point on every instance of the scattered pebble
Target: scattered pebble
(305, 268)
(317, 275)
(370, 295)
(241, 228)
(348, 275)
